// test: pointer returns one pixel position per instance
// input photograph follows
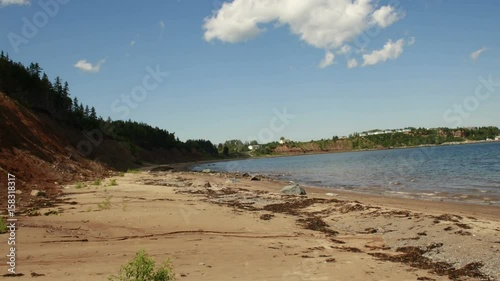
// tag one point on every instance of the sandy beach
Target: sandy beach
(228, 227)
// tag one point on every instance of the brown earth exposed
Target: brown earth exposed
(42, 154)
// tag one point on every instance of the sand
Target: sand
(229, 227)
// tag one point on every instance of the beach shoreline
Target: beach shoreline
(217, 226)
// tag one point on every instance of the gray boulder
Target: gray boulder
(206, 171)
(293, 189)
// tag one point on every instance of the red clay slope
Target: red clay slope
(38, 154)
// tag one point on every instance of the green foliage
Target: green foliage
(32, 212)
(121, 174)
(79, 185)
(423, 136)
(106, 204)
(97, 182)
(133, 171)
(51, 213)
(3, 225)
(235, 146)
(112, 182)
(393, 139)
(203, 146)
(142, 268)
(32, 87)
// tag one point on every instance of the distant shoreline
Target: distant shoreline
(196, 163)
(439, 194)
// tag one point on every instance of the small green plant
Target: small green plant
(112, 182)
(32, 212)
(121, 174)
(106, 204)
(51, 213)
(133, 171)
(142, 268)
(3, 225)
(79, 185)
(97, 182)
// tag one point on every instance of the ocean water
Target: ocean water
(469, 173)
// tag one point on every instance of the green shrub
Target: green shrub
(97, 182)
(79, 185)
(51, 213)
(106, 204)
(3, 225)
(32, 212)
(112, 182)
(142, 268)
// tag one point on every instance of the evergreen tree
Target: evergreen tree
(93, 114)
(86, 112)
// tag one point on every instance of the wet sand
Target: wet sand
(228, 227)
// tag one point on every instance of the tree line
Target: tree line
(31, 87)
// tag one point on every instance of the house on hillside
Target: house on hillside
(283, 141)
(254, 146)
(497, 138)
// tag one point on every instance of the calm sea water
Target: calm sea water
(460, 172)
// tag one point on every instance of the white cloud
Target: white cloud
(344, 50)
(327, 60)
(391, 50)
(324, 24)
(352, 63)
(88, 67)
(162, 28)
(386, 15)
(475, 55)
(411, 41)
(4, 3)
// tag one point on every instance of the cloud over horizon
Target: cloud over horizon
(4, 3)
(86, 66)
(323, 24)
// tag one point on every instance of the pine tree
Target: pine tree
(93, 114)
(86, 112)
(35, 70)
(58, 88)
(65, 89)
(75, 105)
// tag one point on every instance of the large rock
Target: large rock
(38, 193)
(293, 189)
(206, 171)
(255, 178)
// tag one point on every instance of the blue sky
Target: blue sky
(231, 67)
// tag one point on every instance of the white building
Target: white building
(283, 141)
(254, 146)
(497, 138)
